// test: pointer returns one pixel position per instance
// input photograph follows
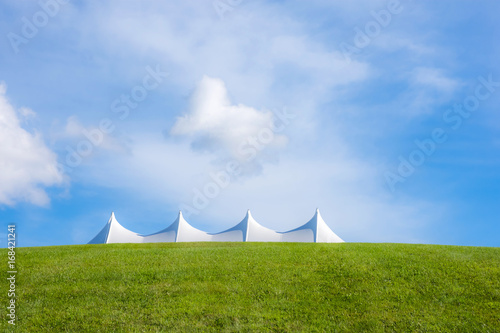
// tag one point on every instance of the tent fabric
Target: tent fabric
(114, 232)
(316, 230)
(248, 230)
(179, 231)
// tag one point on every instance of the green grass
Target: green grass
(257, 287)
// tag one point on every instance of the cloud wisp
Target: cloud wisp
(27, 165)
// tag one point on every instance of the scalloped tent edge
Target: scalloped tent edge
(248, 230)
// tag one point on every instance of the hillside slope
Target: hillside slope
(257, 287)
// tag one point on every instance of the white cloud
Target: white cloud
(74, 131)
(433, 77)
(254, 54)
(27, 113)
(236, 132)
(27, 166)
(428, 88)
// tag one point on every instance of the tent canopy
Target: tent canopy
(248, 230)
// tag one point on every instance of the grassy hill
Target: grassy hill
(257, 287)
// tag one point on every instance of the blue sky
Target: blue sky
(384, 114)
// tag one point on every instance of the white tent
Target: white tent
(248, 230)
(316, 230)
(114, 232)
(179, 231)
